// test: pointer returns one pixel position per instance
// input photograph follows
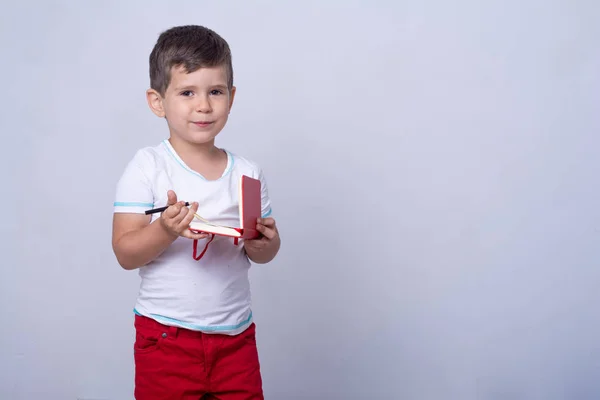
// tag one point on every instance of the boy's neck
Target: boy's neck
(203, 151)
(205, 158)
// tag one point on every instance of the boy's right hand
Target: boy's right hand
(176, 219)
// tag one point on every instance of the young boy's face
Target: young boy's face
(195, 105)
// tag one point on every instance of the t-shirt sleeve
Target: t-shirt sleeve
(266, 210)
(134, 189)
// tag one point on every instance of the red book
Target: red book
(250, 208)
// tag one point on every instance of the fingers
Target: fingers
(267, 227)
(177, 217)
(171, 198)
(269, 222)
(267, 232)
(175, 210)
(171, 212)
(188, 216)
(194, 235)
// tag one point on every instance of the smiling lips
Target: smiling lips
(202, 124)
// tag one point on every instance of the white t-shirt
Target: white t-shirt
(212, 294)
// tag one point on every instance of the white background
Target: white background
(433, 167)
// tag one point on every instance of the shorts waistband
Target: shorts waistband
(173, 331)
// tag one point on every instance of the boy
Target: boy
(194, 330)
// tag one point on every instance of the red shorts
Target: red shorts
(175, 363)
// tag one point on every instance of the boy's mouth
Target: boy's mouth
(202, 123)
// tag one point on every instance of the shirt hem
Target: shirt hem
(209, 329)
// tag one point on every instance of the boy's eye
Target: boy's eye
(214, 92)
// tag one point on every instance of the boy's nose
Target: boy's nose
(203, 105)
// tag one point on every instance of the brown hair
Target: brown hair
(192, 47)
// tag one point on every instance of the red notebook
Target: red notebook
(250, 209)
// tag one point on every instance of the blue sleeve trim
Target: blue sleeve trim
(131, 204)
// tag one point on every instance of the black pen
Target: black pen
(161, 209)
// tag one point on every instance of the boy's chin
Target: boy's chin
(195, 139)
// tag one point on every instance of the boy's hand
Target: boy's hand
(176, 219)
(264, 248)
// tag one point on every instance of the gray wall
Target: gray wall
(433, 168)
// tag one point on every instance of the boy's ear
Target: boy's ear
(231, 97)
(155, 102)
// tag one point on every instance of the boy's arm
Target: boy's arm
(265, 248)
(136, 241)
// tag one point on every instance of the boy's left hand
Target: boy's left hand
(266, 245)
(268, 230)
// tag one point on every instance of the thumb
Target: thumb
(171, 198)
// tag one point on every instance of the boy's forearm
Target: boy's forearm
(264, 255)
(137, 248)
